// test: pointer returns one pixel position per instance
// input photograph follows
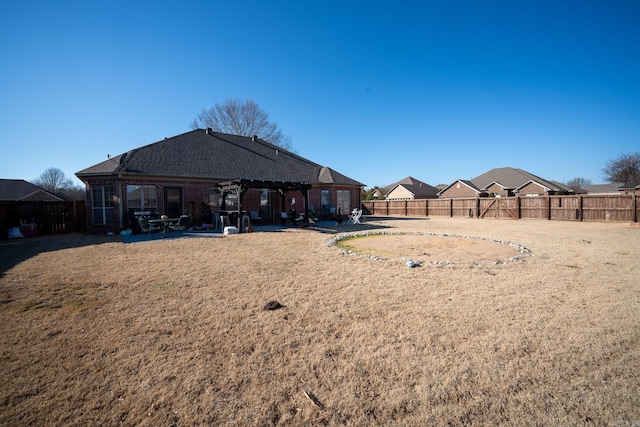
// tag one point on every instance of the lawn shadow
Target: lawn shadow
(15, 251)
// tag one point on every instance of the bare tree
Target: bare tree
(244, 118)
(578, 182)
(53, 180)
(56, 182)
(624, 169)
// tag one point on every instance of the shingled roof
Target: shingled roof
(205, 154)
(21, 190)
(418, 188)
(513, 178)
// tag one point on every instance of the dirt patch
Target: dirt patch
(431, 248)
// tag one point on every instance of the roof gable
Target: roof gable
(414, 186)
(465, 182)
(535, 183)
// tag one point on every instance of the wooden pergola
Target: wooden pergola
(241, 185)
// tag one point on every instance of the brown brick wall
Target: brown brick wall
(196, 193)
(495, 188)
(532, 188)
(454, 191)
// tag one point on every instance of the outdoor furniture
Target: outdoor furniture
(246, 221)
(223, 220)
(163, 223)
(147, 227)
(181, 225)
(255, 216)
(354, 216)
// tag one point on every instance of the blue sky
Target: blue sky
(437, 90)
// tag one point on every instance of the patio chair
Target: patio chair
(181, 225)
(354, 216)
(246, 221)
(147, 227)
(255, 216)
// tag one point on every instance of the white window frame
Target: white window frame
(343, 201)
(102, 205)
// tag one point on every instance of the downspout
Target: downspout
(120, 208)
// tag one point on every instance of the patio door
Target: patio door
(173, 201)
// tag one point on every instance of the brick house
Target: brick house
(409, 188)
(504, 182)
(180, 176)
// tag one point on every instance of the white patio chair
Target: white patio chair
(354, 216)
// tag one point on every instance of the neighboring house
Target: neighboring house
(14, 190)
(409, 189)
(181, 175)
(504, 182)
(612, 188)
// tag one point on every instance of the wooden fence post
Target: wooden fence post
(580, 207)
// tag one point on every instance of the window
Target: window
(325, 200)
(142, 198)
(264, 197)
(102, 205)
(215, 198)
(231, 201)
(344, 201)
(265, 210)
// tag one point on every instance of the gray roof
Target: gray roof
(513, 178)
(415, 186)
(19, 189)
(612, 188)
(212, 155)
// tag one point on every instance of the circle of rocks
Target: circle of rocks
(523, 251)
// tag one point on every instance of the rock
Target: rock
(273, 305)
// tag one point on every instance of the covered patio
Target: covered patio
(240, 185)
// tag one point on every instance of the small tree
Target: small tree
(244, 118)
(55, 181)
(578, 182)
(624, 169)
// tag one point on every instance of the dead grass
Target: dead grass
(173, 332)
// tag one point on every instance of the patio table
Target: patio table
(165, 223)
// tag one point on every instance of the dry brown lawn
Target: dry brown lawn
(173, 332)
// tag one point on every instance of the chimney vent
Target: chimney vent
(209, 131)
(254, 138)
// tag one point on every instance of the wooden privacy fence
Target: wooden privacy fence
(618, 207)
(48, 217)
